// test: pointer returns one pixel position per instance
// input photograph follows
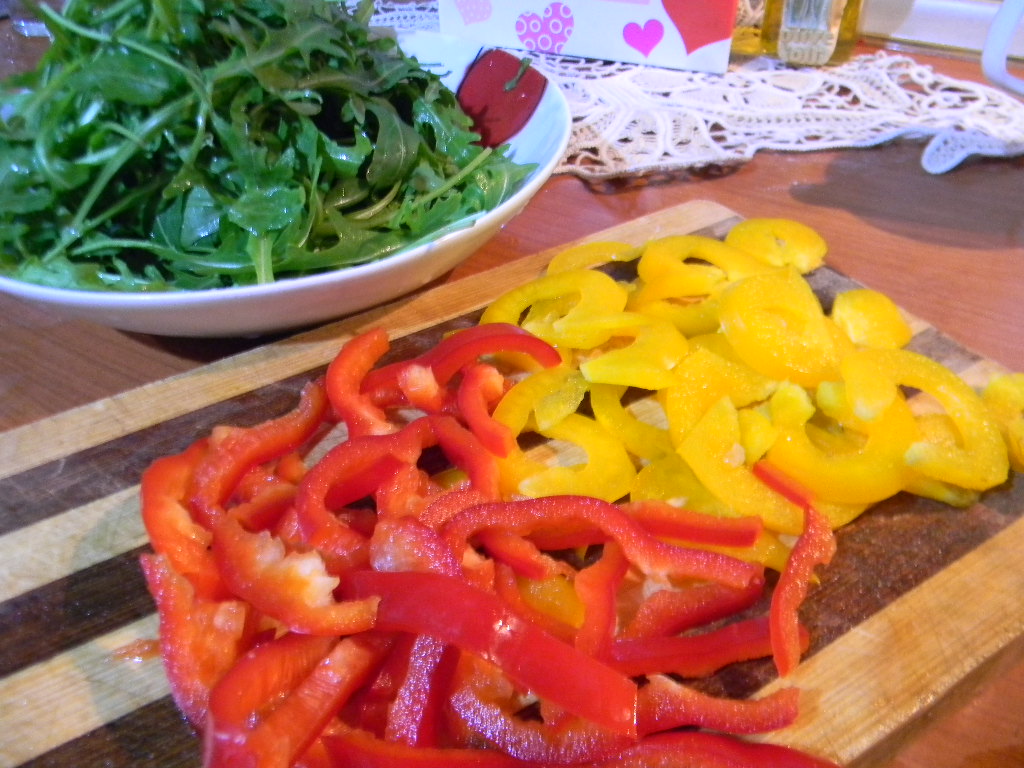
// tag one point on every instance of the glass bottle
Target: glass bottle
(810, 32)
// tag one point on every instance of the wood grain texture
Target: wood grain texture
(893, 619)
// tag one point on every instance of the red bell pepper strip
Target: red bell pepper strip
(466, 452)
(696, 655)
(597, 586)
(487, 706)
(415, 715)
(664, 704)
(199, 639)
(240, 450)
(407, 544)
(292, 587)
(521, 554)
(295, 707)
(478, 622)
(669, 611)
(171, 529)
(640, 547)
(506, 587)
(348, 472)
(344, 379)
(667, 521)
(690, 749)
(481, 386)
(358, 749)
(455, 352)
(815, 547)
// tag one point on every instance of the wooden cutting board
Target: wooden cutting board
(920, 600)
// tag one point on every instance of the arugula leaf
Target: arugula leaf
(193, 144)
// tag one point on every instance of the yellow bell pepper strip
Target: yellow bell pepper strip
(712, 450)
(704, 378)
(666, 704)
(550, 603)
(670, 479)
(871, 319)
(607, 471)
(690, 318)
(592, 255)
(1004, 397)
(646, 362)
(541, 399)
(682, 266)
(642, 439)
(779, 242)
(872, 469)
(979, 460)
(776, 325)
(593, 294)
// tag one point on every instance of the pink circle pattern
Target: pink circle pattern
(549, 33)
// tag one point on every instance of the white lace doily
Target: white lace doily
(634, 120)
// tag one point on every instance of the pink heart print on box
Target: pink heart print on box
(549, 32)
(643, 39)
(697, 26)
(474, 11)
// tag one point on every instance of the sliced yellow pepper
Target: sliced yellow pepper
(644, 440)
(871, 319)
(779, 242)
(579, 296)
(646, 362)
(704, 377)
(591, 255)
(1004, 397)
(979, 459)
(541, 399)
(777, 326)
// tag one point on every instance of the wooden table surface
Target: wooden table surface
(948, 248)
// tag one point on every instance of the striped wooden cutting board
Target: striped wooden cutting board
(918, 601)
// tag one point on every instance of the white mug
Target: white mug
(997, 45)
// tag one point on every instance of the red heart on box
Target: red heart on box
(701, 21)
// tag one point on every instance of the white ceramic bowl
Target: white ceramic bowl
(304, 301)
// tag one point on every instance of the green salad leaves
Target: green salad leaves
(192, 144)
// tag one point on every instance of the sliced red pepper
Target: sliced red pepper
(292, 587)
(199, 639)
(455, 352)
(478, 622)
(671, 611)
(521, 554)
(696, 655)
(171, 529)
(783, 484)
(228, 460)
(664, 704)
(597, 586)
(648, 553)
(668, 521)
(690, 749)
(290, 694)
(487, 705)
(466, 452)
(415, 716)
(815, 547)
(407, 544)
(344, 379)
(358, 749)
(481, 386)
(507, 587)
(349, 472)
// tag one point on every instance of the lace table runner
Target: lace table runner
(633, 120)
